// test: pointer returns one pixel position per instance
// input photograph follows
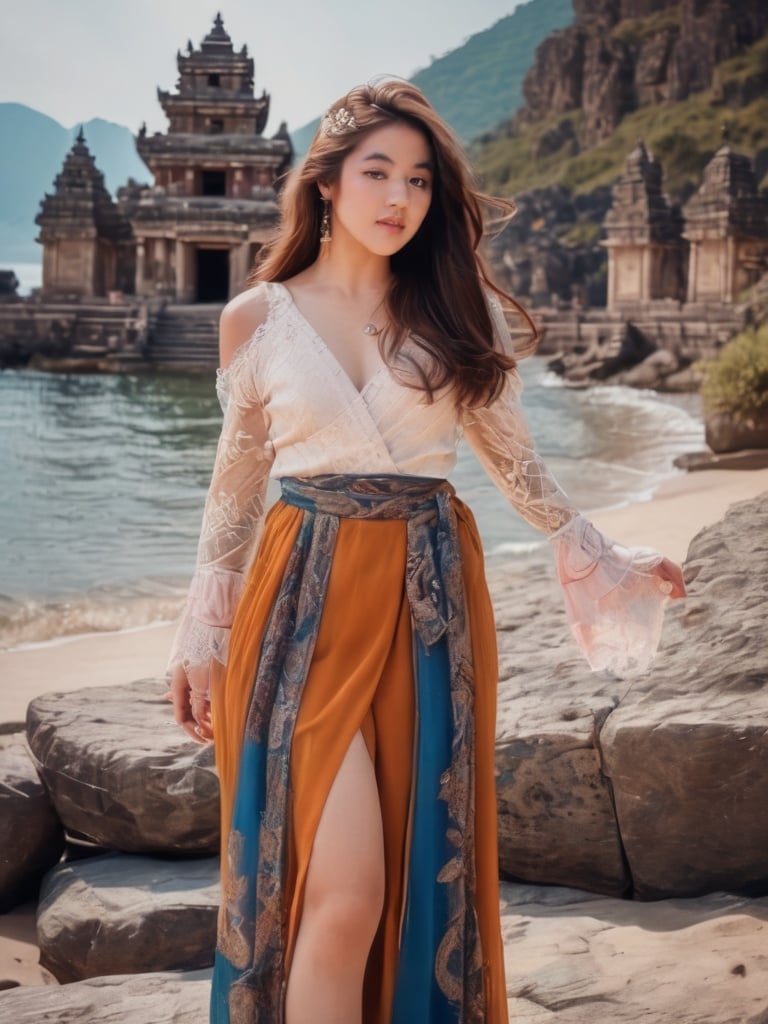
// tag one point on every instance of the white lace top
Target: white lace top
(291, 410)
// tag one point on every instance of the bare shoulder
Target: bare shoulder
(240, 318)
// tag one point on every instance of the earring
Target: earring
(325, 223)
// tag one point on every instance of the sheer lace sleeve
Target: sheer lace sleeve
(232, 519)
(614, 601)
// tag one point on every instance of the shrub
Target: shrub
(737, 380)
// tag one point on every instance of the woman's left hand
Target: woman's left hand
(190, 695)
(671, 575)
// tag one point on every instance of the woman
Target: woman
(354, 721)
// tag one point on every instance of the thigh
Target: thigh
(348, 850)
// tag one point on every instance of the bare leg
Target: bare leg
(343, 899)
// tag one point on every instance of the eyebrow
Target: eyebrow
(425, 165)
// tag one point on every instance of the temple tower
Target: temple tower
(87, 242)
(644, 236)
(726, 224)
(213, 202)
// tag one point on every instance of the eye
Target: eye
(376, 175)
(420, 182)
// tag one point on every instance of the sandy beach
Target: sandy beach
(668, 522)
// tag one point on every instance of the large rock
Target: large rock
(120, 914)
(725, 433)
(121, 772)
(572, 958)
(661, 788)
(556, 818)
(159, 998)
(31, 836)
(687, 751)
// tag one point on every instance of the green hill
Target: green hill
(480, 83)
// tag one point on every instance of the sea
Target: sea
(104, 478)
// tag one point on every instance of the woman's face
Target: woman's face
(384, 190)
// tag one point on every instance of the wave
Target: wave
(26, 623)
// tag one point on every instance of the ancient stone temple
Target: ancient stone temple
(87, 241)
(644, 236)
(213, 201)
(726, 225)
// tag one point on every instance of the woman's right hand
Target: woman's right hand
(190, 694)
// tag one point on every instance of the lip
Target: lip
(391, 222)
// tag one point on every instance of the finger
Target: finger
(204, 734)
(199, 732)
(673, 574)
(199, 677)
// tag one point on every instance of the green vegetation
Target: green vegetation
(753, 62)
(583, 232)
(737, 380)
(683, 136)
(633, 31)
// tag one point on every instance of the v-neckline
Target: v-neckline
(328, 352)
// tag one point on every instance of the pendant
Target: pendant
(370, 328)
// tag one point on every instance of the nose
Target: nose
(398, 194)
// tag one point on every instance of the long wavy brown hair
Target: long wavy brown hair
(437, 297)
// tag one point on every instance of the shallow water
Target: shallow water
(104, 479)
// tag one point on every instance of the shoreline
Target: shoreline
(667, 521)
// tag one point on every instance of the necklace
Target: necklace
(370, 327)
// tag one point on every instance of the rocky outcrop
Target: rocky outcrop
(572, 958)
(686, 752)
(540, 254)
(630, 360)
(158, 998)
(556, 819)
(31, 836)
(623, 54)
(726, 433)
(659, 789)
(118, 772)
(119, 914)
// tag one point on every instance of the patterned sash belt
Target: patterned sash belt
(433, 552)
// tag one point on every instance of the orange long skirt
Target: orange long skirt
(362, 677)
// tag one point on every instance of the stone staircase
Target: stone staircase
(185, 337)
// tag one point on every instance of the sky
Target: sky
(80, 59)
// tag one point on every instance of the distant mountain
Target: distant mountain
(33, 151)
(480, 83)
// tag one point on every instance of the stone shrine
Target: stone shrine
(140, 283)
(213, 204)
(87, 242)
(726, 225)
(643, 236)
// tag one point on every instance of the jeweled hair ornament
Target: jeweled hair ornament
(338, 122)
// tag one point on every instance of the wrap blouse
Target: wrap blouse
(290, 409)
